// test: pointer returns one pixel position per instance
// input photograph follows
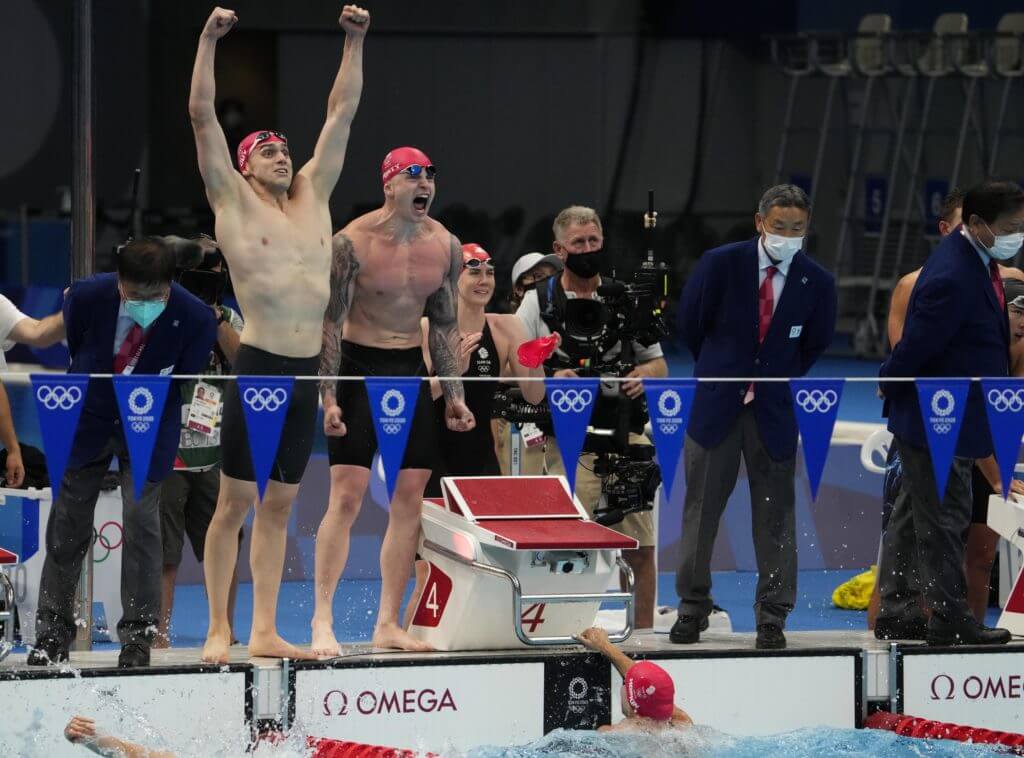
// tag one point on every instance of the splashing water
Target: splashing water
(707, 742)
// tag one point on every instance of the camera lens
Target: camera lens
(567, 567)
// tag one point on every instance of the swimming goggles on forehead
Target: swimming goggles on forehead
(416, 169)
(475, 264)
(263, 136)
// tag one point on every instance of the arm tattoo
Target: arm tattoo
(443, 337)
(344, 268)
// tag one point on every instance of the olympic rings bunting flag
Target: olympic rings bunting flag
(816, 405)
(943, 404)
(265, 401)
(393, 404)
(1004, 404)
(140, 399)
(59, 400)
(669, 402)
(571, 402)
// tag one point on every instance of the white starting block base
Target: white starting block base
(1006, 518)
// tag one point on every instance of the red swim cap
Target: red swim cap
(400, 159)
(471, 250)
(253, 141)
(650, 691)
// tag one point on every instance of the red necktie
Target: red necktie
(997, 284)
(765, 303)
(129, 349)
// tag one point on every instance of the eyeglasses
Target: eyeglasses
(475, 264)
(416, 169)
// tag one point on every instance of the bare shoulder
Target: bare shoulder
(504, 324)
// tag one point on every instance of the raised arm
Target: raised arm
(344, 268)
(443, 341)
(324, 167)
(215, 166)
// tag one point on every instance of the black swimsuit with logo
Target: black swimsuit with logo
(470, 453)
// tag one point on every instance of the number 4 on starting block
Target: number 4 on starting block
(434, 599)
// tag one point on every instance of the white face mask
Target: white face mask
(782, 248)
(1005, 246)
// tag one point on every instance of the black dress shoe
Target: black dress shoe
(892, 628)
(770, 637)
(967, 633)
(133, 656)
(47, 652)
(687, 629)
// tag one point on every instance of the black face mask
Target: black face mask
(208, 286)
(584, 265)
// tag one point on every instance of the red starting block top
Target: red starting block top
(501, 497)
(556, 534)
(7, 558)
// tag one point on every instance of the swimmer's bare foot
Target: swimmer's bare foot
(324, 641)
(216, 648)
(270, 645)
(393, 636)
(161, 641)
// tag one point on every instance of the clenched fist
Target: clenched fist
(354, 20)
(219, 23)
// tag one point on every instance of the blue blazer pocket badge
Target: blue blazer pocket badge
(794, 332)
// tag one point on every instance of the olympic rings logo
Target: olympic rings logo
(391, 428)
(817, 401)
(56, 396)
(392, 403)
(575, 401)
(1006, 400)
(943, 404)
(265, 399)
(669, 404)
(140, 401)
(942, 428)
(668, 428)
(110, 537)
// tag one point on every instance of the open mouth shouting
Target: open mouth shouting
(421, 201)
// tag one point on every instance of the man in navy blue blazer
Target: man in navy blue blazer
(750, 309)
(136, 321)
(956, 326)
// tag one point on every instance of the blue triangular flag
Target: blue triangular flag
(59, 401)
(265, 401)
(668, 404)
(393, 407)
(816, 405)
(140, 398)
(943, 403)
(1004, 403)
(571, 402)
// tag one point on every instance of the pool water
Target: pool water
(703, 741)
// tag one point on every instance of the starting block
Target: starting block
(514, 562)
(7, 604)
(1006, 518)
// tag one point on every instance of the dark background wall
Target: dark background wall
(525, 107)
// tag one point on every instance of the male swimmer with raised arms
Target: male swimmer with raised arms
(274, 230)
(390, 267)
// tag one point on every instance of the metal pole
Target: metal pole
(786, 121)
(961, 138)
(83, 215)
(997, 132)
(851, 179)
(819, 156)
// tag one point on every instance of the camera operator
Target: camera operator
(754, 308)
(189, 495)
(578, 242)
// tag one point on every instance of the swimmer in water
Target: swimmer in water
(647, 690)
